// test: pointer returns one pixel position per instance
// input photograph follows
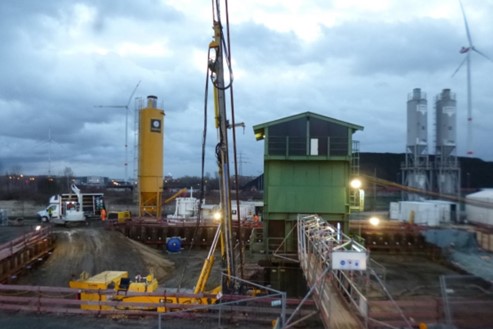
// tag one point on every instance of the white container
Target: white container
(475, 211)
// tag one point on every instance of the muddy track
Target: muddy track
(93, 250)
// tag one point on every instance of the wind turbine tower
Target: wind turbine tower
(126, 125)
(467, 50)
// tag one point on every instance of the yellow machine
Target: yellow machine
(177, 194)
(119, 217)
(118, 281)
(142, 290)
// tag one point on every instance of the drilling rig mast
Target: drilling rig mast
(217, 56)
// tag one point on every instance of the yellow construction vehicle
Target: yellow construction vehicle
(140, 293)
(118, 281)
(119, 217)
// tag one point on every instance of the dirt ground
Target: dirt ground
(93, 249)
(408, 275)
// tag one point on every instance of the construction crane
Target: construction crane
(126, 125)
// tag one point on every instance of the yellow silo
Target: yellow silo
(151, 137)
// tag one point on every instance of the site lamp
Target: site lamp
(374, 221)
(217, 215)
(37, 228)
(356, 183)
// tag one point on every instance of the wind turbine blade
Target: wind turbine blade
(111, 106)
(482, 54)
(469, 39)
(460, 65)
(132, 94)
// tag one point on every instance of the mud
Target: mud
(94, 249)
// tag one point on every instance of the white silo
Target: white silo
(446, 163)
(417, 121)
(446, 123)
(416, 171)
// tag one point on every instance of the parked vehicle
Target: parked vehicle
(72, 207)
(119, 217)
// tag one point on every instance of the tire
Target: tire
(44, 219)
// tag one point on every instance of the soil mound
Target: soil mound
(94, 250)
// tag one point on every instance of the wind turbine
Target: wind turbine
(126, 125)
(467, 50)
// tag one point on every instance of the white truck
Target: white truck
(72, 207)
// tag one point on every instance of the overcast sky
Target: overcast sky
(352, 60)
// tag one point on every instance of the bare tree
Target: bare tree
(15, 170)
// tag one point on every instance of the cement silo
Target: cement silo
(417, 122)
(446, 163)
(416, 171)
(151, 138)
(446, 123)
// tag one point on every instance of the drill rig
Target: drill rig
(218, 54)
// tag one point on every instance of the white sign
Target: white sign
(349, 260)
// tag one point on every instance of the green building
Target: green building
(309, 160)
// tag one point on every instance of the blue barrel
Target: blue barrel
(173, 244)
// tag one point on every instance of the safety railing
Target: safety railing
(251, 305)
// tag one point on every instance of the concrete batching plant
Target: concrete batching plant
(443, 174)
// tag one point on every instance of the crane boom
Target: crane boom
(208, 264)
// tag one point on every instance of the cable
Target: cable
(235, 159)
(211, 66)
(228, 63)
(202, 177)
(224, 48)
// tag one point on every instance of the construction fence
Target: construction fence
(255, 306)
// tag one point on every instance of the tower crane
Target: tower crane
(126, 124)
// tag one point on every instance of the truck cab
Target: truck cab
(50, 212)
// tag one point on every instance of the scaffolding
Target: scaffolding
(331, 262)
